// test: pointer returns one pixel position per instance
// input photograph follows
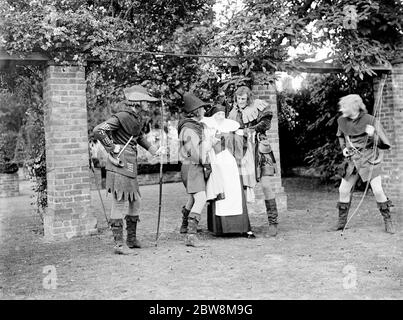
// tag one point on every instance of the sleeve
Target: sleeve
(339, 133)
(340, 136)
(193, 146)
(143, 142)
(103, 130)
(342, 142)
(264, 121)
(383, 141)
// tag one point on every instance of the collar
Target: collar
(251, 112)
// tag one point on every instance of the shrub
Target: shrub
(8, 142)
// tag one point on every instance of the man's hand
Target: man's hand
(239, 132)
(116, 149)
(346, 152)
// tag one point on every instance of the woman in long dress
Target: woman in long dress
(227, 211)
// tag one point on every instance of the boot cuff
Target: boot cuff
(116, 222)
(185, 211)
(342, 205)
(385, 205)
(132, 218)
(195, 216)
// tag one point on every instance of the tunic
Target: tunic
(365, 160)
(193, 155)
(117, 130)
(257, 119)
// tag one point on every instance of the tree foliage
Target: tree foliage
(78, 31)
(263, 32)
(22, 92)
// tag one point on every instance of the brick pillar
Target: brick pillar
(391, 118)
(69, 199)
(269, 94)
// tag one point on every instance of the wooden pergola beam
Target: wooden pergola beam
(323, 67)
(8, 61)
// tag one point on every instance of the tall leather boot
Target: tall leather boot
(117, 230)
(272, 214)
(343, 214)
(185, 215)
(385, 211)
(131, 226)
(191, 238)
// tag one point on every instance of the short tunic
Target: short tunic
(192, 154)
(257, 119)
(364, 162)
(117, 130)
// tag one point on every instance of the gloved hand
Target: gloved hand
(116, 148)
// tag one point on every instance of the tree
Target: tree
(81, 31)
(361, 32)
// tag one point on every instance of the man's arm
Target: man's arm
(263, 122)
(342, 142)
(193, 146)
(103, 130)
(142, 141)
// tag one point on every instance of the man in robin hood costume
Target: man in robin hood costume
(258, 163)
(193, 150)
(362, 140)
(120, 136)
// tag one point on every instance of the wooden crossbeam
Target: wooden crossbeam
(7, 61)
(323, 67)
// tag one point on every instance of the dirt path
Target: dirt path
(303, 262)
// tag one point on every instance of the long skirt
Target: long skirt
(234, 224)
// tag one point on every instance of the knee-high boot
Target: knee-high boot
(343, 214)
(272, 214)
(131, 226)
(385, 211)
(185, 215)
(192, 229)
(117, 230)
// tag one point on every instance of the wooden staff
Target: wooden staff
(161, 176)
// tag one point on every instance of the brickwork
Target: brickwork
(391, 118)
(9, 185)
(68, 213)
(269, 94)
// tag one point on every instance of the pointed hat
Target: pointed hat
(192, 103)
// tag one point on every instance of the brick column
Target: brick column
(69, 199)
(269, 94)
(391, 118)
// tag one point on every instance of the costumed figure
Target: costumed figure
(227, 210)
(258, 163)
(195, 169)
(362, 140)
(120, 136)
